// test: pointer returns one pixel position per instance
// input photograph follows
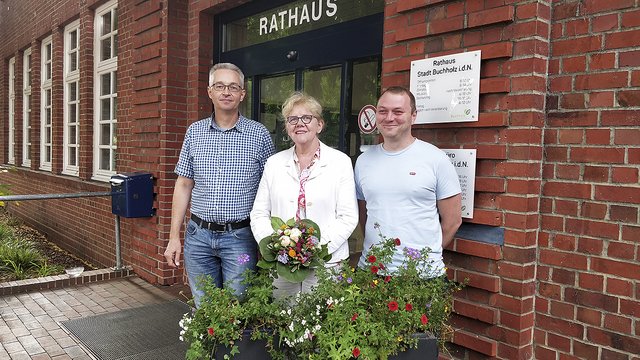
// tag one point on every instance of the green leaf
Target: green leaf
(266, 253)
(291, 222)
(276, 223)
(265, 265)
(296, 276)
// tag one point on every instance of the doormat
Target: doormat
(147, 332)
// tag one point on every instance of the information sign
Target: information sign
(447, 88)
(464, 160)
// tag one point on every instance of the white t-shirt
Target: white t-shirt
(401, 189)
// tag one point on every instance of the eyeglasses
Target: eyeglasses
(233, 87)
(293, 120)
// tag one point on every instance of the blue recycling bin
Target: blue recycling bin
(132, 194)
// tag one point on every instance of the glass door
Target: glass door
(342, 90)
(324, 85)
(274, 90)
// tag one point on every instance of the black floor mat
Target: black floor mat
(147, 332)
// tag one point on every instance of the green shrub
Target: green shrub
(18, 259)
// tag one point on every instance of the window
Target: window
(105, 92)
(26, 108)
(71, 99)
(46, 130)
(12, 110)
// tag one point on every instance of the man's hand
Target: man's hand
(173, 252)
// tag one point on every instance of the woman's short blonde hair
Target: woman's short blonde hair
(308, 101)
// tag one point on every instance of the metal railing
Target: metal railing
(118, 266)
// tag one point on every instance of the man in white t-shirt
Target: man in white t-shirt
(406, 186)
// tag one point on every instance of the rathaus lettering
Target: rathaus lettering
(297, 16)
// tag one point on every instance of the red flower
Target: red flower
(210, 331)
(374, 269)
(355, 352)
(354, 317)
(387, 278)
(393, 305)
(381, 266)
(424, 319)
(371, 258)
(408, 307)
(397, 241)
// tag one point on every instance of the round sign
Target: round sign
(367, 119)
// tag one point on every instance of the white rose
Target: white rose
(284, 240)
(287, 231)
(295, 234)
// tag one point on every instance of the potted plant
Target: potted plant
(225, 325)
(371, 313)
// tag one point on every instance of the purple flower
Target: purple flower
(283, 258)
(243, 259)
(313, 240)
(412, 253)
(340, 278)
(349, 280)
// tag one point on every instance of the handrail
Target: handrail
(69, 196)
(54, 196)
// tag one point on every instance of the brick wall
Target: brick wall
(494, 315)
(86, 226)
(557, 141)
(588, 303)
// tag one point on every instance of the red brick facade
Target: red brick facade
(558, 148)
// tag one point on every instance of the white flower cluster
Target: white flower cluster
(184, 324)
(332, 301)
(308, 326)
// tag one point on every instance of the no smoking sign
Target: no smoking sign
(367, 119)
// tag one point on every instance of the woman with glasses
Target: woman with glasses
(307, 181)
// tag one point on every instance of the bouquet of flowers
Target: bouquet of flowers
(293, 249)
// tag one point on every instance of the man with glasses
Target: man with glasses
(219, 169)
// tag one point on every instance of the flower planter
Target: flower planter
(249, 349)
(427, 349)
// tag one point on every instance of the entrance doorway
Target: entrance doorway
(333, 53)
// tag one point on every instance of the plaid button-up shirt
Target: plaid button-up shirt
(226, 166)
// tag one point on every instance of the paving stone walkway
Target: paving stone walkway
(30, 322)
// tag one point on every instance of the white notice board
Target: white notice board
(464, 160)
(447, 88)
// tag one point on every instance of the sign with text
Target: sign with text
(447, 88)
(294, 18)
(464, 160)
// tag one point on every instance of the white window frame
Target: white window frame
(71, 77)
(105, 68)
(12, 111)
(26, 108)
(46, 100)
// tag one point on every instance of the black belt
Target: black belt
(220, 227)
